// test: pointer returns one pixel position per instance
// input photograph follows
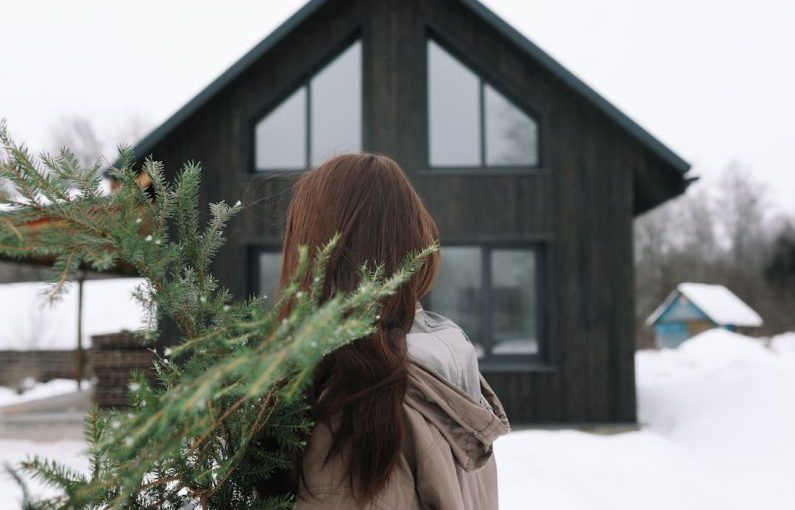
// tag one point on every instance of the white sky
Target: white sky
(712, 79)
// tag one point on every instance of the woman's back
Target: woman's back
(412, 419)
(451, 418)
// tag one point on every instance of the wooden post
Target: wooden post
(79, 354)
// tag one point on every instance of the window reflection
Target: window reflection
(289, 134)
(457, 293)
(514, 302)
(454, 110)
(470, 124)
(511, 135)
(336, 106)
(499, 311)
(280, 138)
(270, 267)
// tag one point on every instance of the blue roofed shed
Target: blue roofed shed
(695, 307)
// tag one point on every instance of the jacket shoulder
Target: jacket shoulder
(440, 345)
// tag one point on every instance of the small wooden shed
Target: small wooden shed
(533, 178)
(695, 307)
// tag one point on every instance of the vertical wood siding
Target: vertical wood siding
(579, 204)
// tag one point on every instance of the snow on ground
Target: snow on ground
(718, 433)
(13, 452)
(35, 391)
(783, 344)
(34, 323)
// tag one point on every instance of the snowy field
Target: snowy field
(718, 418)
(718, 432)
(35, 391)
(14, 451)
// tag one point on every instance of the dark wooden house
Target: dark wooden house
(532, 177)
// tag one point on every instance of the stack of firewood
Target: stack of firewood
(114, 357)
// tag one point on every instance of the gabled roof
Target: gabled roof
(145, 146)
(717, 302)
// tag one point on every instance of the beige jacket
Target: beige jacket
(447, 461)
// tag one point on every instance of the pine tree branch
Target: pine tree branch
(196, 438)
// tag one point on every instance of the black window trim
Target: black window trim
(304, 83)
(497, 362)
(538, 362)
(435, 34)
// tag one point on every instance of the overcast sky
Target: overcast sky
(714, 80)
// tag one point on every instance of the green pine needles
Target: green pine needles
(228, 410)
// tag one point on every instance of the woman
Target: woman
(403, 418)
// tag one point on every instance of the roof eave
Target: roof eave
(657, 313)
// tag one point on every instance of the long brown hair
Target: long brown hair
(380, 218)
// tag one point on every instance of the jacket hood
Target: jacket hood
(468, 426)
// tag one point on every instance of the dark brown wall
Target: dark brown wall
(579, 205)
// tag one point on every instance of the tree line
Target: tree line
(725, 232)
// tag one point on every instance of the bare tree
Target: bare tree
(654, 232)
(716, 234)
(82, 136)
(78, 134)
(744, 209)
(675, 239)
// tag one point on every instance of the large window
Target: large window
(268, 268)
(493, 293)
(470, 123)
(320, 119)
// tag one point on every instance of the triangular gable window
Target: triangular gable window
(470, 123)
(320, 119)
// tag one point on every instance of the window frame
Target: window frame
(304, 82)
(538, 362)
(253, 251)
(495, 362)
(484, 78)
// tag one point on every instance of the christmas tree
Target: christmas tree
(227, 412)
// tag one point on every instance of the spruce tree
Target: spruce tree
(227, 411)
